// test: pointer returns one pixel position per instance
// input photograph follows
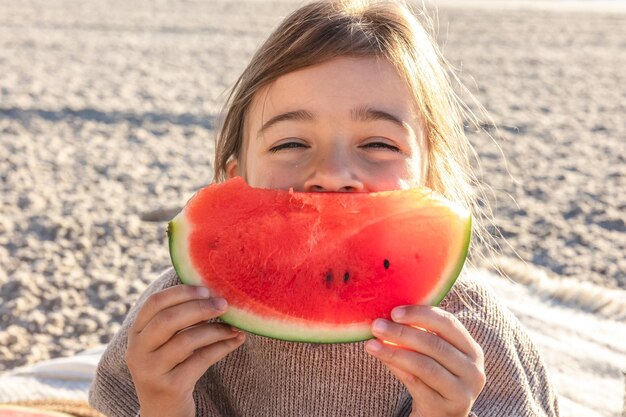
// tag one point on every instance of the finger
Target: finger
(441, 322)
(424, 342)
(425, 398)
(420, 392)
(185, 343)
(421, 367)
(167, 298)
(197, 364)
(167, 323)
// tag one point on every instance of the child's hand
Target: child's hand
(437, 359)
(170, 346)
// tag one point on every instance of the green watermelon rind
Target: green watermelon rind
(178, 252)
(289, 328)
(447, 284)
(298, 330)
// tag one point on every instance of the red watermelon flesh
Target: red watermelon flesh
(318, 267)
(7, 410)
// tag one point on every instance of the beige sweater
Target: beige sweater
(267, 377)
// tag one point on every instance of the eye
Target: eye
(381, 145)
(287, 145)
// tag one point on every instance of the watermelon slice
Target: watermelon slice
(318, 267)
(8, 410)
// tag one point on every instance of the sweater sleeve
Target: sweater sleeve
(517, 380)
(112, 391)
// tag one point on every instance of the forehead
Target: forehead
(333, 89)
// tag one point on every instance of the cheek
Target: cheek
(259, 171)
(419, 169)
(399, 175)
(411, 171)
(250, 163)
(418, 164)
(275, 177)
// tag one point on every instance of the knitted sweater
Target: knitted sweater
(267, 377)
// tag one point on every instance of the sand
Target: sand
(108, 111)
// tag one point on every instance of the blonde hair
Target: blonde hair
(323, 30)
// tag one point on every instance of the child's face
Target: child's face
(349, 124)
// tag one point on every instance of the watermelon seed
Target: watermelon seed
(329, 278)
(346, 276)
(386, 263)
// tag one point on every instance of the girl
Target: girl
(342, 97)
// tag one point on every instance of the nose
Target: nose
(333, 174)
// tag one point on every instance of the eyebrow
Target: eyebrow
(301, 115)
(368, 114)
(359, 114)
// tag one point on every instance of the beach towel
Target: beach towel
(60, 384)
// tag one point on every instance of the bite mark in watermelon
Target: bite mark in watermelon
(318, 267)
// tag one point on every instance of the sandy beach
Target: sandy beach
(108, 112)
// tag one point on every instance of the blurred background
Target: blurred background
(108, 112)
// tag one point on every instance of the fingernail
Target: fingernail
(380, 325)
(219, 304)
(398, 313)
(203, 292)
(373, 346)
